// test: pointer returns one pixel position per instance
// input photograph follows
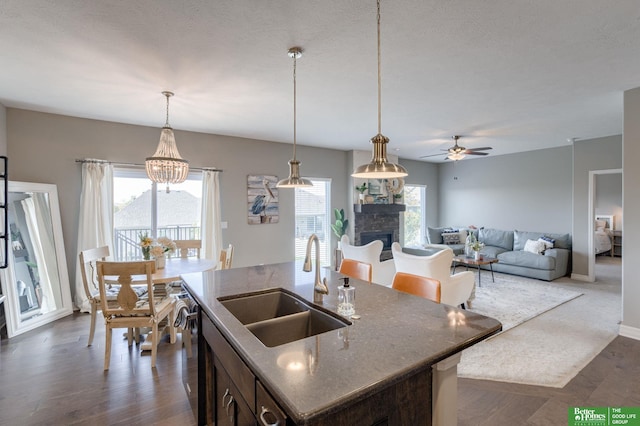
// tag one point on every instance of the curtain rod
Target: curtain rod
(97, 161)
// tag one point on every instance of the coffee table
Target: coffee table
(484, 260)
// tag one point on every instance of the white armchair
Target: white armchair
(382, 272)
(456, 290)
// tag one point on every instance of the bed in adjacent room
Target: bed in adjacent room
(602, 237)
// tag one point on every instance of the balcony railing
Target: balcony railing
(126, 241)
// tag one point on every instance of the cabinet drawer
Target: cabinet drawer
(241, 376)
(267, 410)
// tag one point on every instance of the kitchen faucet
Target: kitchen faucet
(320, 286)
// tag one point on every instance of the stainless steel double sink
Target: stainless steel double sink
(279, 316)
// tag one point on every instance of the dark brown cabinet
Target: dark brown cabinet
(233, 395)
(231, 408)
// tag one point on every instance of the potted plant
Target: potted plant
(340, 225)
(361, 190)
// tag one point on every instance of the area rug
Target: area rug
(551, 348)
(513, 300)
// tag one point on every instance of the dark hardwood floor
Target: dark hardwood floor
(50, 377)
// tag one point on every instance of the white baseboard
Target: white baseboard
(631, 332)
(580, 277)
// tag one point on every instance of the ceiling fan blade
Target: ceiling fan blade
(434, 155)
(475, 153)
(484, 148)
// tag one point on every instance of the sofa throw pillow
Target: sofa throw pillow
(451, 236)
(537, 247)
(547, 241)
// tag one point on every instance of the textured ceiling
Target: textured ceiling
(515, 75)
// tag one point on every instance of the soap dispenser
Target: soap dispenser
(346, 298)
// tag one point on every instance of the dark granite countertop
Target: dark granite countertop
(398, 335)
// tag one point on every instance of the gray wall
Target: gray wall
(529, 191)
(589, 155)
(608, 198)
(60, 140)
(631, 203)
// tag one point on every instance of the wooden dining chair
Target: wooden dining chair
(356, 269)
(426, 287)
(185, 247)
(128, 309)
(88, 260)
(226, 257)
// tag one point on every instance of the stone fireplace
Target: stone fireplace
(377, 222)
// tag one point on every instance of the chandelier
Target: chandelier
(166, 165)
(294, 180)
(379, 167)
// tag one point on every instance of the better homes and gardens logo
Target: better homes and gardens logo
(588, 416)
(604, 416)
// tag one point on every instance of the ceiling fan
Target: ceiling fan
(457, 152)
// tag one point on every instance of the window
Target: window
(141, 206)
(415, 215)
(313, 216)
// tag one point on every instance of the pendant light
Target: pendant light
(379, 167)
(167, 166)
(294, 180)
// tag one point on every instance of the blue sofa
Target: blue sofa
(508, 248)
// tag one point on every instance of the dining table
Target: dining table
(174, 268)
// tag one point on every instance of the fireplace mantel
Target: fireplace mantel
(379, 208)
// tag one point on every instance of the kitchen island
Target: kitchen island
(396, 364)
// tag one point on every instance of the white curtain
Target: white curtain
(95, 224)
(38, 219)
(211, 221)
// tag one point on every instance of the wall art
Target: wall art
(262, 199)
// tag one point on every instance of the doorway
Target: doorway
(605, 197)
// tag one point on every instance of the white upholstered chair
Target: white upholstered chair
(456, 289)
(382, 272)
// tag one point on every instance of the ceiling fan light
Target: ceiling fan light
(456, 156)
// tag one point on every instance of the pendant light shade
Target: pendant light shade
(294, 180)
(379, 167)
(166, 165)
